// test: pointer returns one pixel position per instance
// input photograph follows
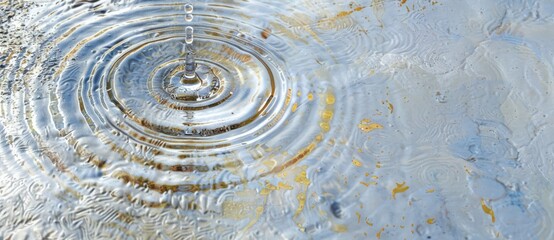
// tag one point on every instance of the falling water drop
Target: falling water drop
(188, 8)
(190, 65)
(188, 17)
(189, 35)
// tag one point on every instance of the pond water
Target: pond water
(262, 119)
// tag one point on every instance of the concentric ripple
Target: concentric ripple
(116, 99)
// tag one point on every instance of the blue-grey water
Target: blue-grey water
(313, 119)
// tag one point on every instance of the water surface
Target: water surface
(327, 120)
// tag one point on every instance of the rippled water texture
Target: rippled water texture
(404, 119)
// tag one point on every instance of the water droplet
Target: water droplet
(189, 32)
(189, 8)
(189, 17)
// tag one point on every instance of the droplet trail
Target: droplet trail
(190, 65)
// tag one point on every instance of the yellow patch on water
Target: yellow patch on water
(302, 178)
(368, 183)
(378, 235)
(366, 125)
(327, 115)
(344, 14)
(294, 107)
(266, 33)
(259, 210)
(488, 210)
(430, 191)
(285, 186)
(347, 13)
(368, 222)
(390, 106)
(330, 98)
(268, 188)
(339, 228)
(310, 96)
(319, 137)
(430, 221)
(378, 165)
(325, 126)
(271, 163)
(357, 163)
(400, 188)
(301, 197)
